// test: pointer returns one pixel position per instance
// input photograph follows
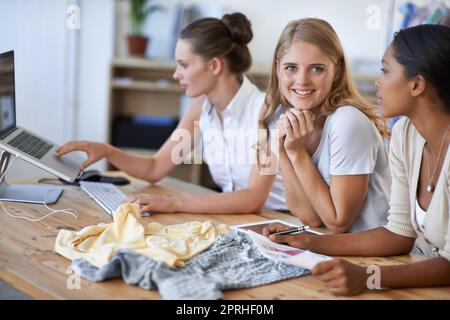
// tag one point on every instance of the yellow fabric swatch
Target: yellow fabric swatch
(172, 244)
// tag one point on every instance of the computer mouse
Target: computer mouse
(114, 180)
(95, 176)
(90, 175)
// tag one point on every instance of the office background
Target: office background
(63, 73)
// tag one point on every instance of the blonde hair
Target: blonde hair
(343, 91)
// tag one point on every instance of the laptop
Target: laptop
(23, 143)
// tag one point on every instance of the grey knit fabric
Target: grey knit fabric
(232, 262)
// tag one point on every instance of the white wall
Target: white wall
(96, 53)
(61, 74)
(268, 18)
(36, 31)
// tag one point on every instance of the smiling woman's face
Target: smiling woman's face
(306, 75)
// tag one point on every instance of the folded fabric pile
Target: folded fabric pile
(192, 260)
(232, 262)
(172, 244)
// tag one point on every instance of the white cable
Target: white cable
(72, 212)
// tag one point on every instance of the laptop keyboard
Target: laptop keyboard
(30, 145)
(107, 195)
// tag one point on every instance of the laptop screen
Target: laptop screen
(7, 94)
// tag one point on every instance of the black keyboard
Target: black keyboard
(31, 145)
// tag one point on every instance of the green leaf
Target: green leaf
(140, 10)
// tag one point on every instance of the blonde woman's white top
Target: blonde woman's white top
(230, 149)
(406, 150)
(351, 145)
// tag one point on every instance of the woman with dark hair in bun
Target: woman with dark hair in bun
(415, 83)
(211, 56)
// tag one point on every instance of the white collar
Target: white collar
(239, 101)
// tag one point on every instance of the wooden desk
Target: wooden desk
(28, 261)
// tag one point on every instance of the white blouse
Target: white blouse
(420, 216)
(230, 149)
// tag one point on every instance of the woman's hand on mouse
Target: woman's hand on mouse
(94, 150)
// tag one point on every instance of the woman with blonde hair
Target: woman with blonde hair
(331, 149)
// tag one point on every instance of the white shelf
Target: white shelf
(146, 86)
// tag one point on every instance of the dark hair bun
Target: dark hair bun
(240, 28)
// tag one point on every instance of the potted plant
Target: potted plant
(139, 11)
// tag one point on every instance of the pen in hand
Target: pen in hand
(291, 230)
